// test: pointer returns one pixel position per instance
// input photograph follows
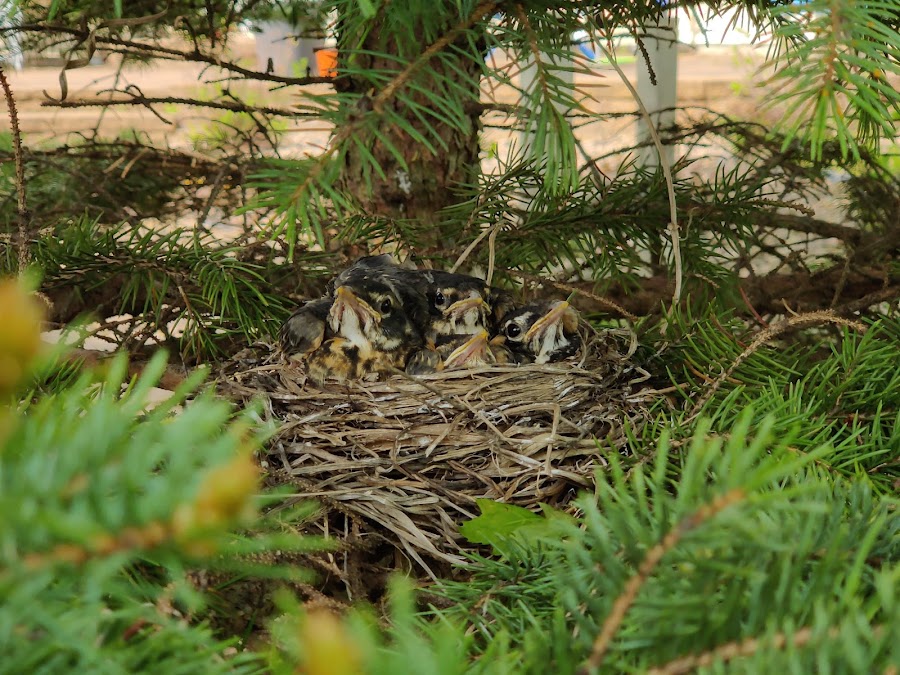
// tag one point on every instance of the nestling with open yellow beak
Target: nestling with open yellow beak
(457, 352)
(542, 332)
(376, 325)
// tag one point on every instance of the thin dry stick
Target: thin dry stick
(737, 649)
(471, 247)
(149, 101)
(667, 173)
(492, 250)
(21, 205)
(770, 333)
(648, 564)
(570, 288)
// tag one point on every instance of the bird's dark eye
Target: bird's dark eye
(385, 306)
(513, 330)
(439, 299)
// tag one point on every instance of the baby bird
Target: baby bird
(542, 332)
(305, 328)
(318, 320)
(456, 302)
(376, 325)
(459, 351)
(338, 359)
(460, 304)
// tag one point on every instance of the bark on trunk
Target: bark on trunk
(433, 179)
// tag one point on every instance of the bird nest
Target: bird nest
(398, 464)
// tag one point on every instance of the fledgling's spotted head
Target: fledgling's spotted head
(375, 312)
(457, 302)
(542, 332)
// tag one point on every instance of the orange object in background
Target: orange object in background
(326, 61)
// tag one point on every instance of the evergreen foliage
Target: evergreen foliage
(735, 550)
(108, 501)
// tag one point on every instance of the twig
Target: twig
(749, 305)
(747, 647)
(471, 247)
(770, 333)
(666, 169)
(809, 225)
(492, 251)
(21, 204)
(158, 51)
(648, 564)
(570, 288)
(841, 282)
(884, 295)
(148, 101)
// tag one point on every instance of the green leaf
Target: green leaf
(497, 521)
(502, 524)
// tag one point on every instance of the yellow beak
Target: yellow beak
(347, 300)
(460, 307)
(551, 318)
(475, 346)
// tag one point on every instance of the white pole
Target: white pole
(662, 50)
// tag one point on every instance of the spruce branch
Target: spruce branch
(21, 203)
(748, 647)
(834, 78)
(311, 186)
(622, 603)
(400, 80)
(139, 99)
(766, 336)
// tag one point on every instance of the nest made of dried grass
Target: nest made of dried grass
(398, 464)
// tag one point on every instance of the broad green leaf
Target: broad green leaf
(497, 521)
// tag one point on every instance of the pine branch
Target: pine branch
(651, 560)
(749, 647)
(766, 336)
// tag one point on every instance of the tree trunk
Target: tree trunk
(430, 181)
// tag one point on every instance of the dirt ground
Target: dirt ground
(722, 78)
